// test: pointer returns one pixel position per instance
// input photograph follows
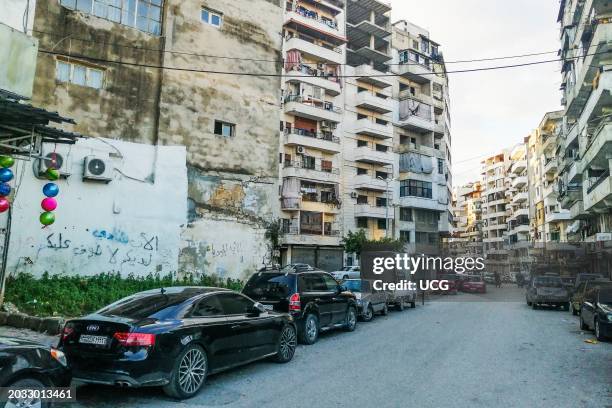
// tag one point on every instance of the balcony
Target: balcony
(312, 109)
(312, 20)
(569, 195)
(600, 146)
(317, 173)
(549, 144)
(520, 229)
(519, 182)
(421, 202)
(374, 102)
(520, 197)
(373, 128)
(368, 154)
(519, 166)
(366, 53)
(315, 77)
(369, 183)
(305, 203)
(557, 216)
(550, 191)
(370, 211)
(321, 141)
(519, 212)
(598, 197)
(333, 55)
(296, 237)
(365, 73)
(551, 166)
(414, 71)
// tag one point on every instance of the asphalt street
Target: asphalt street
(456, 351)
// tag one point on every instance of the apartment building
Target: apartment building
(98, 63)
(422, 138)
(314, 50)
(467, 219)
(585, 142)
(495, 209)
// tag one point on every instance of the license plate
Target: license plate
(95, 340)
(268, 307)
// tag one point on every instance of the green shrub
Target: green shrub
(71, 296)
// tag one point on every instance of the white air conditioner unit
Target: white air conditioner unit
(97, 169)
(354, 194)
(300, 150)
(57, 160)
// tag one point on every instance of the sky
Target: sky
(491, 110)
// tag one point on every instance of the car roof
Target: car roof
(196, 290)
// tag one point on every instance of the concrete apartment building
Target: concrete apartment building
(467, 225)
(585, 143)
(311, 132)
(99, 63)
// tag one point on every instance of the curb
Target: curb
(49, 325)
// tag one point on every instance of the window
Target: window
(440, 166)
(405, 236)
(362, 199)
(381, 202)
(406, 214)
(312, 282)
(308, 162)
(362, 143)
(362, 222)
(225, 129)
(415, 188)
(79, 74)
(361, 171)
(234, 304)
(382, 175)
(330, 282)
(381, 223)
(421, 237)
(144, 15)
(208, 307)
(211, 17)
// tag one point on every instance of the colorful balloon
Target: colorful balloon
(51, 173)
(4, 205)
(5, 189)
(49, 204)
(6, 175)
(47, 218)
(6, 161)
(50, 190)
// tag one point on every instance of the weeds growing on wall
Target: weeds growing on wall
(72, 296)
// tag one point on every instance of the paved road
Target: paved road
(456, 351)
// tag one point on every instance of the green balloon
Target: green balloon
(47, 218)
(6, 161)
(52, 174)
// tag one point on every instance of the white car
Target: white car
(348, 272)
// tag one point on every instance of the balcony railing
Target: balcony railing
(319, 73)
(316, 167)
(600, 180)
(315, 135)
(313, 15)
(328, 106)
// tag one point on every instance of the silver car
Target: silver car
(368, 302)
(348, 272)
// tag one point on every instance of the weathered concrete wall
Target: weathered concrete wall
(129, 225)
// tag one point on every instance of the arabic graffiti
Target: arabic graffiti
(114, 235)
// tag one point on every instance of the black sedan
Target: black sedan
(596, 312)
(174, 338)
(28, 365)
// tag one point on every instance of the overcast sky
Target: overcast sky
(493, 109)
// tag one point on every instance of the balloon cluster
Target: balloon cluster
(49, 203)
(6, 175)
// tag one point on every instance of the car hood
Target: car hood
(6, 342)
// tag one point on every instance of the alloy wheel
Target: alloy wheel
(24, 403)
(192, 371)
(288, 342)
(351, 318)
(597, 330)
(311, 328)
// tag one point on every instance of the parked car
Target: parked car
(474, 284)
(489, 277)
(596, 312)
(28, 365)
(577, 296)
(453, 280)
(547, 290)
(315, 300)
(369, 302)
(348, 272)
(175, 338)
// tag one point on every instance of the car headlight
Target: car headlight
(59, 356)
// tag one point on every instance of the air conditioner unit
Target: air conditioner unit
(57, 160)
(354, 194)
(300, 150)
(97, 169)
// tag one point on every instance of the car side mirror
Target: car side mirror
(257, 309)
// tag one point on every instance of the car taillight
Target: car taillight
(135, 339)
(294, 303)
(67, 332)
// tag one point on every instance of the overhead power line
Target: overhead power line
(276, 61)
(263, 74)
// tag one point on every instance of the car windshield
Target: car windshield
(269, 285)
(354, 285)
(148, 304)
(548, 281)
(605, 295)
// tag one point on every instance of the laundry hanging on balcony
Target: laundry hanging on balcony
(290, 193)
(293, 60)
(415, 163)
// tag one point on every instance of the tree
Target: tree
(354, 242)
(274, 233)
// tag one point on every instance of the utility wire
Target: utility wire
(253, 74)
(282, 61)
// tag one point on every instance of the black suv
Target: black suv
(313, 297)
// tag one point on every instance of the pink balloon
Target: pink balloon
(49, 204)
(4, 205)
